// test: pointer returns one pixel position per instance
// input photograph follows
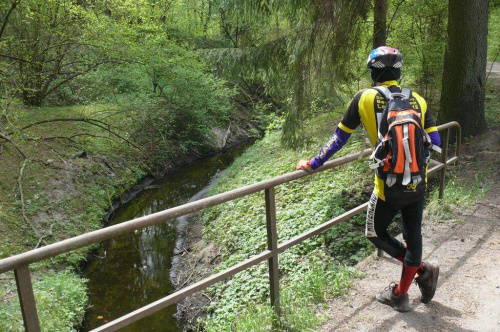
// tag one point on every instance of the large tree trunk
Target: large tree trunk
(463, 90)
(379, 23)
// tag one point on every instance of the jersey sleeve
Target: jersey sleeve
(431, 129)
(334, 144)
(351, 119)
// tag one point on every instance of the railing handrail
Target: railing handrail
(110, 232)
(20, 262)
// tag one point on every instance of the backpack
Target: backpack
(403, 148)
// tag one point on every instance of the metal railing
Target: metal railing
(20, 263)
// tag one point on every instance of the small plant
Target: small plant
(238, 228)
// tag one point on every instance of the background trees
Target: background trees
(380, 23)
(295, 53)
(464, 76)
(47, 44)
(137, 55)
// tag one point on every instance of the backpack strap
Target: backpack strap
(407, 154)
(406, 93)
(384, 91)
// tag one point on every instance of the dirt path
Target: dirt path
(467, 248)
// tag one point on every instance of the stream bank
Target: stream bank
(139, 268)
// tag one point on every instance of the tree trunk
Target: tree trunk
(379, 23)
(463, 90)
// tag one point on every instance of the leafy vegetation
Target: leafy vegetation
(238, 227)
(59, 297)
(95, 95)
(298, 302)
(458, 197)
(494, 31)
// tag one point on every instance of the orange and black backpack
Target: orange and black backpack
(403, 148)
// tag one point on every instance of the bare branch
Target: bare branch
(393, 15)
(5, 137)
(49, 91)
(14, 58)
(94, 122)
(70, 138)
(45, 236)
(71, 43)
(6, 18)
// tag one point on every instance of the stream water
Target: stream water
(135, 269)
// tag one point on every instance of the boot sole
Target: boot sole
(404, 308)
(435, 271)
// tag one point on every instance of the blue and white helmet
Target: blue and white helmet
(384, 56)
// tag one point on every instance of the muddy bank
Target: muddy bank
(197, 261)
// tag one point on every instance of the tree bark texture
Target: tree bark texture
(379, 23)
(464, 76)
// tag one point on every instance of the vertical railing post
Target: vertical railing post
(444, 158)
(27, 299)
(272, 245)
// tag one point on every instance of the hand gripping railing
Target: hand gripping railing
(20, 263)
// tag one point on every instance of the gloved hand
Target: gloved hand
(305, 165)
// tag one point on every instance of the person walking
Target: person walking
(367, 107)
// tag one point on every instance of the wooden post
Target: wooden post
(272, 245)
(27, 299)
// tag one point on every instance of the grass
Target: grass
(492, 106)
(299, 302)
(493, 33)
(51, 170)
(459, 195)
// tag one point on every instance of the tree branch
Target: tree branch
(392, 18)
(49, 91)
(94, 122)
(45, 236)
(6, 19)
(14, 58)
(5, 137)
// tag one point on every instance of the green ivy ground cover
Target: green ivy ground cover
(239, 229)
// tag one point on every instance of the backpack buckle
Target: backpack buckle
(391, 180)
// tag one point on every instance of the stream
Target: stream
(134, 270)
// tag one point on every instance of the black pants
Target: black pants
(380, 215)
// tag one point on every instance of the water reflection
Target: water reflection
(134, 270)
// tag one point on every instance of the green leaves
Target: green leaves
(238, 227)
(60, 298)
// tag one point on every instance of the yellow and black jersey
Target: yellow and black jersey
(367, 107)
